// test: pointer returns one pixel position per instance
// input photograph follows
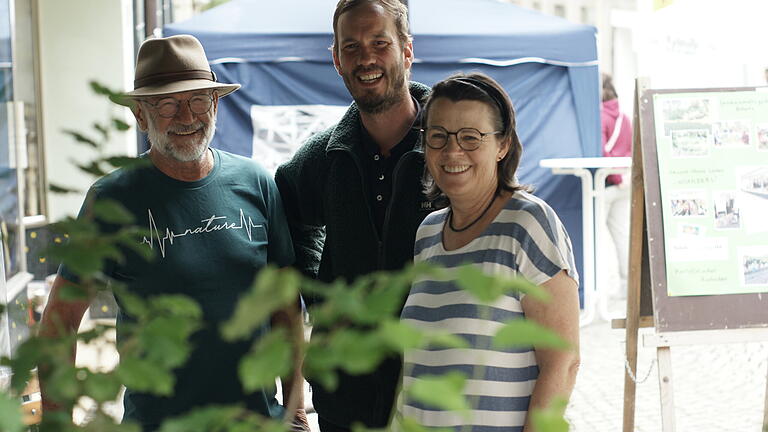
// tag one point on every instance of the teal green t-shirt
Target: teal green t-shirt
(210, 238)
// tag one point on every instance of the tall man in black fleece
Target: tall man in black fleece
(361, 181)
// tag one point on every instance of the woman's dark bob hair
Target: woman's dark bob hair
(482, 88)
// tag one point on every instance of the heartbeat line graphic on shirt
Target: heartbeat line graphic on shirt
(211, 224)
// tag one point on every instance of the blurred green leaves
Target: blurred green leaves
(551, 419)
(222, 418)
(270, 358)
(10, 414)
(488, 288)
(522, 333)
(356, 325)
(273, 290)
(444, 392)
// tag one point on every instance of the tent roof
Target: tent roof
(492, 31)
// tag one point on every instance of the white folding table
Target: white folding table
(592, 172)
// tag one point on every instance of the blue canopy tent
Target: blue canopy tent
(279, 52)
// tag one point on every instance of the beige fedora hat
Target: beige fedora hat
(174, 64)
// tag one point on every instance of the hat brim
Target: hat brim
(178, 87)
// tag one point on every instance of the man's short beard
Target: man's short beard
(377, 105)
(163, 144)
(392, 96)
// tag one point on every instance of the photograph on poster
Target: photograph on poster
(754, 265)
(690, 143)
(731, 133)
(753, 198)
(688, 203)
(755, 181)
(686, 109)
(691, 230)
(727, 212)
(762, 137)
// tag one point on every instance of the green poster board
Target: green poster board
(705, 159)
(713, 171)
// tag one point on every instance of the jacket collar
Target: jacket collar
(346, 133)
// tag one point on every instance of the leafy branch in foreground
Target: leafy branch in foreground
(356, 327)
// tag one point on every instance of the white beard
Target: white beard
(193, 150)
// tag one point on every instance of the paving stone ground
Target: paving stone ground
(716, 387)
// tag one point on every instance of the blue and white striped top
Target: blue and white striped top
(526, 239)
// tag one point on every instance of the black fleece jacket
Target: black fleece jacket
(324, 187)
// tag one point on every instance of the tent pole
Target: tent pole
(150, 17)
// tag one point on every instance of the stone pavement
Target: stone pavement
(716, 387)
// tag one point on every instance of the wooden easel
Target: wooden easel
(637, 278)
(646, 290)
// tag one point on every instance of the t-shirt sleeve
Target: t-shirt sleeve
(94, 194)
(280, 246)
(545, 247)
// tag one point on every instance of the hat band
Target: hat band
(163, 78)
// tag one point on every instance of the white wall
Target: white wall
(80, 41)
(703, 43)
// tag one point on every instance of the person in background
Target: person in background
(617, 142)
(472, 153)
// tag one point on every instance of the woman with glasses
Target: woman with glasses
(472, 153)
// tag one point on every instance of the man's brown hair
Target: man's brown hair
(394, 8)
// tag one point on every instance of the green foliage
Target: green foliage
(111, 211)
(58, 189)
(10, 414)
(158, 340)
(80, 138)
(101, 387)
(411, 425)
(488, 288)
(356, 326)
(127, 162)
(144, 376)
(269, 358)
(445, 392)
(273, 290)
(521, 332)
(104, 423)
(217, 418)
(551, 419)
(401, 336)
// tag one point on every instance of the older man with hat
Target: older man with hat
(213, 219)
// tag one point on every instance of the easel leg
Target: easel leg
(630, 387)
(664, 356)
(765, 409)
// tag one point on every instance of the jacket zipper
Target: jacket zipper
(380, 240)
(365, 197)
(389, 205)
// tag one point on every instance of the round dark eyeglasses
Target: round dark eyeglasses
(169, 107)
(469, 139)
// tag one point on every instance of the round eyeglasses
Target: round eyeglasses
(169, 107)
(468, 139)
